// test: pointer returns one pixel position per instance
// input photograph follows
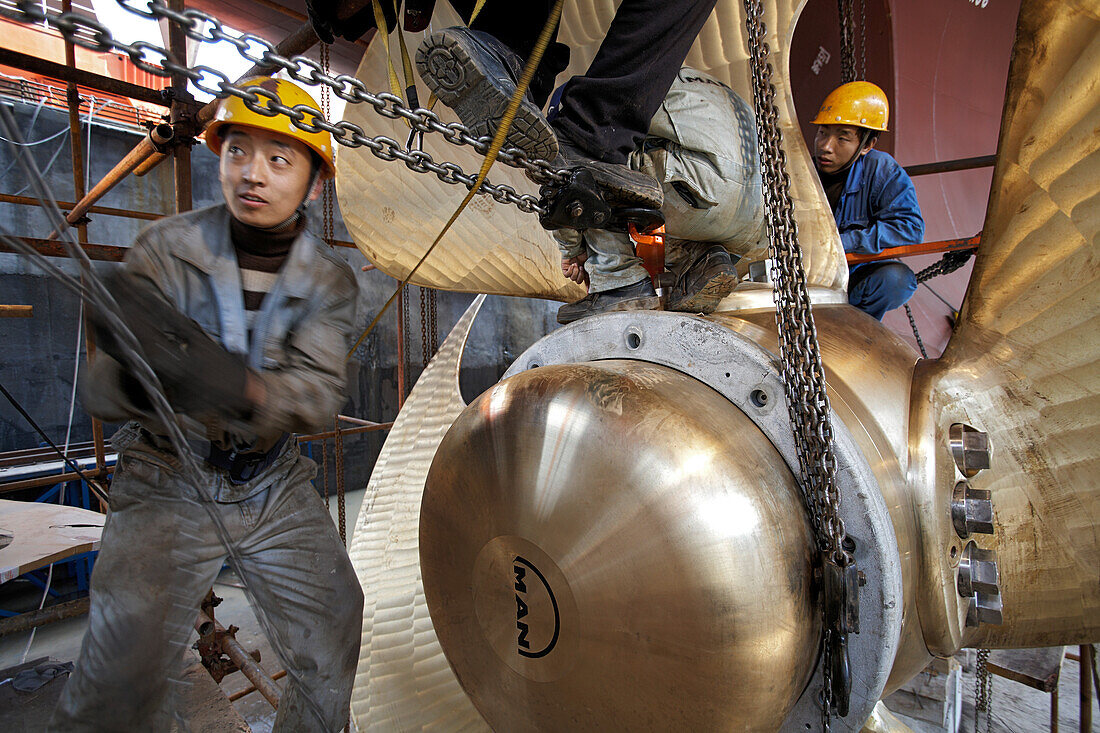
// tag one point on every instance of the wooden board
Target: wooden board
(44, 534)
(1038, 668)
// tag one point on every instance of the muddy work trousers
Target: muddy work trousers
(159, 557)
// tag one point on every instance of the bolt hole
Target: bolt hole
(533, 365)
(807, 726)
(758, 397)
(954, 552)
(727, 375)
(633, 340)
(848, 544)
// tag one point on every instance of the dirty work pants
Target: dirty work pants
(606, 112)
(878, 287)
(159, 557)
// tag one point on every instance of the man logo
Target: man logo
(524, 602)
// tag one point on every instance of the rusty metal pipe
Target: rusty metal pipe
(150, 163)
(350, 431)
(252, 688)
(43, 616)
(54, 70)
(16, 311)
(154, 142)
(7, 198)
(245, 663)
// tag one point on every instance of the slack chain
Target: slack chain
(804, 382)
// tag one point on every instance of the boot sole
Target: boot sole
(709, 296)
(449, 70)
(648, 303)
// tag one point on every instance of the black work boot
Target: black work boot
(639, 296)
(702, 285)
(620, 185)
(475, 75)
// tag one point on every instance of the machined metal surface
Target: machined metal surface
(613, 546)
(1022, 363)
(737, 367)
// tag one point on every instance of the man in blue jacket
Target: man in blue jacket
(872, 198)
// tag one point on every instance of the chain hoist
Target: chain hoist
(804, 385)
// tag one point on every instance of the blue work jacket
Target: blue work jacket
(878, 208)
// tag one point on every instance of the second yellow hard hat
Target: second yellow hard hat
(858, 103)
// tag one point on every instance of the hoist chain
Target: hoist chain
(204, 28)
(803, 377)
(983, 690)
(847, 41)
(328, 214)
(947, 264)
(424, 346)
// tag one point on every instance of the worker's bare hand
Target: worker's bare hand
(573, 268)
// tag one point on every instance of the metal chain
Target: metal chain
(803, 375)
(433, 324)
(405, 361)
(328, 213)
(341, 506)
(204, 28)
(983, 690)
(947, 264)
(862, 39)
(424, 326)
(916, 333)
(847, 41)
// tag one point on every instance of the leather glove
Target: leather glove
(326, 20)
(198, 374)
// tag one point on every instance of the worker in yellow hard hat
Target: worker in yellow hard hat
(872, 198)
(245, 318)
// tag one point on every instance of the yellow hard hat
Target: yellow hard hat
(233, 111)
(858, 103)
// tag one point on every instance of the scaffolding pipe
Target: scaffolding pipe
(87, 79)
(236, 653)
(8, 198)
(153, 142)
(43, 616)
(77, 151)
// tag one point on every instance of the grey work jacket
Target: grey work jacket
(300, 335)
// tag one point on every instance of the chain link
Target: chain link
(983, 690)
(947, 264)
(204, 28)
(803, 375)
(847, 41)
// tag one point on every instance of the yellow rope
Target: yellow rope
(498, 142)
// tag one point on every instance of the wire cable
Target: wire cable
(98, 297)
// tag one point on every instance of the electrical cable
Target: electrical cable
(107, 309)
(57, 134)
(19, 408)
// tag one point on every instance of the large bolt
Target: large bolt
(971, 510)
(984, 609)
(978, 572)
(970, 448)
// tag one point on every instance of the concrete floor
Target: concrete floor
(1016, 708)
